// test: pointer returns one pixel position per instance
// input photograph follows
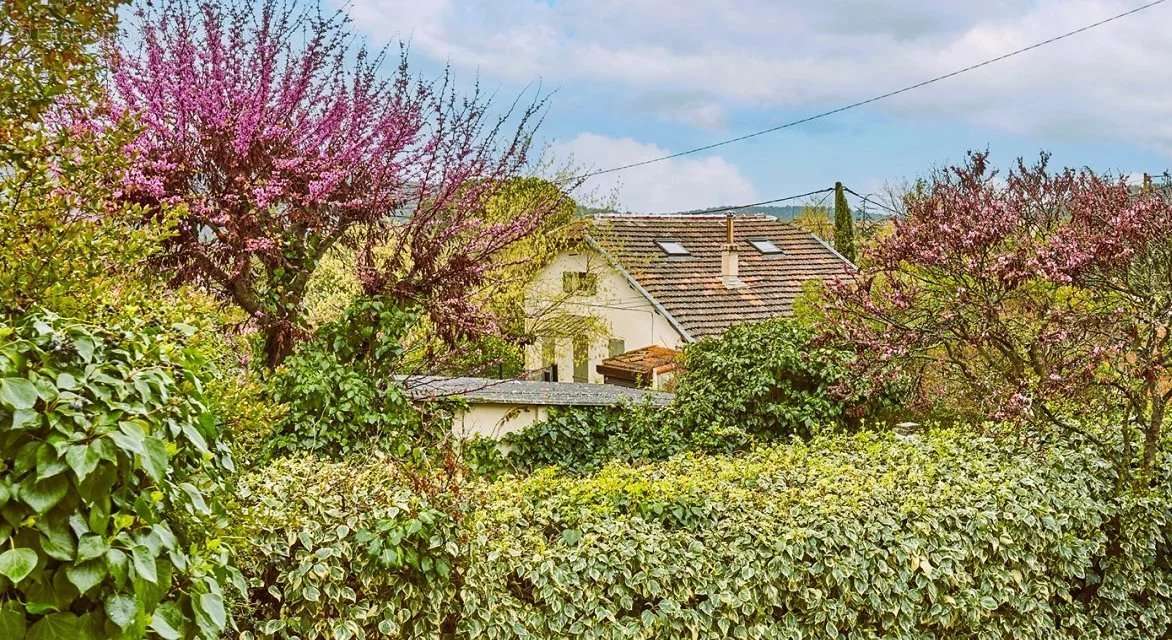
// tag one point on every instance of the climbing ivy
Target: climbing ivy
(108, 459)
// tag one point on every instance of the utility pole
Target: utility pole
(844, 224)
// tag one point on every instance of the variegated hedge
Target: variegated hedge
(945, 535)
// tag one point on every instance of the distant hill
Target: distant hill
(784, 213)
(781, 213)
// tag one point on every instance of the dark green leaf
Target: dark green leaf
(49, 463)
(197, 501)
(86, 575)
(144, 563)
(154, 458)
(58, 541)
(82, 459)
(43, 495)
(24, 419)
(85, 347)
(56, 626)
(167, 620)
(128, 438)
(17, 393)
(12, 621)
(118, 565)
(196, 438)
(121, 609)
(209, 608)
(66, 381)
(90, 546)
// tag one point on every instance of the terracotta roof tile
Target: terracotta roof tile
(640, 364)
(690, 287)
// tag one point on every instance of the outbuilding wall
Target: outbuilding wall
(495, 420)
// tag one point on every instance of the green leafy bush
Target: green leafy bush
(764, 381)
(350, 550)
(757, 383)
(583, 439)
(108, 455)
(861, 536)
(864, 536)
(339, 393)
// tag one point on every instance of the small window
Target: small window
(579, 283)
(672, 247)
(617, 346)
(765, 246)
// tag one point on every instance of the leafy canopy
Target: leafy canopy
(283, 141)
(1036, 298)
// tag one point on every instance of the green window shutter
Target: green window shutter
(581, 359)
(588, 283)
(549, 347)
(579, 282)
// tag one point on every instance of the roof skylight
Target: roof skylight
(672, 247)
(765, 247)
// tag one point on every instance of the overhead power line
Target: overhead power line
(871, 200)
(877, 98)
(754, 204)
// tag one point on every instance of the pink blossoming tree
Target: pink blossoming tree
(1045, 296)
(280, 140)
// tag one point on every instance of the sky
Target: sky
(633, 79)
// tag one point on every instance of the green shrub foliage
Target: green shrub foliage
(583, 439)
(107, 453)
(764, 381)
(864, 537)
(860, 536)
(346, 550)
(339, 391)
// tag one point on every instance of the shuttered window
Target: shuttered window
(581, 359)
(580, 283)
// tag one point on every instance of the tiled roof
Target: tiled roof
(526, 392)
(690, 287)
(640, 364)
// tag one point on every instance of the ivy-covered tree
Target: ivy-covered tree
(787, 384)
(1044, 296)
(281, 141)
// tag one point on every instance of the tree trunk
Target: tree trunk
(279, 340)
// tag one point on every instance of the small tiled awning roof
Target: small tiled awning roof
(640, 364)
(689, 287)
(526, 392)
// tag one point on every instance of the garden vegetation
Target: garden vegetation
(216, 267)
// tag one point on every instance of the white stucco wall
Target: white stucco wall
(495, 420)
(624, 313)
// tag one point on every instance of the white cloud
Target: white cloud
(672, 185)
(1112, 83)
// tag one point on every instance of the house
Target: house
(497, 407)
(640, 281)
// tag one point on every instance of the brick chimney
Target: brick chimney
(729, 260)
